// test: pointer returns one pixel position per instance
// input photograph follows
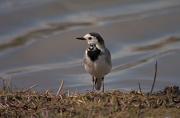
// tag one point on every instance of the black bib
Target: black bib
(93, 52)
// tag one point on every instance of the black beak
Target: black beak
(80, 38)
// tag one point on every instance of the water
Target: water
(136, 32)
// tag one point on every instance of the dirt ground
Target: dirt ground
(133, 104)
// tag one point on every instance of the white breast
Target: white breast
(98, 68)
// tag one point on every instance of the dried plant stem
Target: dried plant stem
(60, 88)
(7, 85)
(155, 76)
(140, 90)
(30, 87)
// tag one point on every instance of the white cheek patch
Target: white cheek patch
(100, 47)
(92, 41)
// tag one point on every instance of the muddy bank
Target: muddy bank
(165, 103)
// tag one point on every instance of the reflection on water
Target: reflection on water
(18, 41)
(137, 33)
(157, 45)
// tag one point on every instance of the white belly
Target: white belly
(98, 68)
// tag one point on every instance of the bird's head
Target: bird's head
(93, 38)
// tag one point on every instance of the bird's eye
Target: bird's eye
(89, 38)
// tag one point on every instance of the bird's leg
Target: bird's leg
(103, 84)
(93, 80)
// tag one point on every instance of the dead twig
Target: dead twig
(140, 90)
(60, 88)
(155, 76)
(6, 82)
(30, 87)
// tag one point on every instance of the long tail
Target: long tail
(98, 83)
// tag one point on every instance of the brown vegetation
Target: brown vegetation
(29, 103)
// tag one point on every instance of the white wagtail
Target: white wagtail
(97, 60)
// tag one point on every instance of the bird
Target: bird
(97, 59)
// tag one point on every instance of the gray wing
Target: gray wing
(108, 56)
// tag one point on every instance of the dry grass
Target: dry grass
(29, 103)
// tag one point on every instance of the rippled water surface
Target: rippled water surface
(38, 45)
